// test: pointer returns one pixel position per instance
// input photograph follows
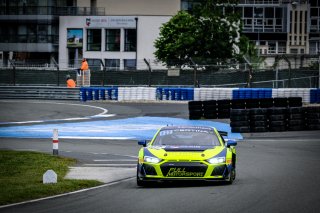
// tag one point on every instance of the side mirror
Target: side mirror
(231, 143)
(143, 143)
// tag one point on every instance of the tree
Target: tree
(210, 32)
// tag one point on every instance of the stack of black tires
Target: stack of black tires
(277, 119)
(210, 109)
(312, 118)
(240, 120)
(296, 119)
(195, 110)
(258, 120)
(223, 108)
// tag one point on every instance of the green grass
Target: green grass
(21, 176)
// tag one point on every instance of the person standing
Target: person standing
(70, 82)
(84, 65)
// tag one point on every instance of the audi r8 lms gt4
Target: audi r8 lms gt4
(187, 153)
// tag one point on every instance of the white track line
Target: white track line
(100, 115)
(115, 160)
(69, 193)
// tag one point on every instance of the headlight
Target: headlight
(217, 160)
(151, 159)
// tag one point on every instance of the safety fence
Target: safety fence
(164, 78)
(38, 92)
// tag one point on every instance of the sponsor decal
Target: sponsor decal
(88, 21)
(181, 172)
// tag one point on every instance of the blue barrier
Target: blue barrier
(103, 93)
(252, 93)
(314, 96)
(171, 93)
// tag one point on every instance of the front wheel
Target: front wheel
(139, 182)
(232, 176)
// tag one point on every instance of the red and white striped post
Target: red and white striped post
(55, 142)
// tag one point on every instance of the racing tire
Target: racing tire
(239, 112)
(278, 117)
(239, 123)
(296, 110)
(258, 117)
(240, 129)
(280, 102)
(239, 117)
(258, 111)
(140, 182)
(277, 128)
(266, 102)
(231, 176)
(295, 101)
(277, 111)
(258, 129)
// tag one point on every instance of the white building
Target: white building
(117, 42)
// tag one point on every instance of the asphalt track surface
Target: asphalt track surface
(276, 172)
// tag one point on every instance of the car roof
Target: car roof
(204, 128)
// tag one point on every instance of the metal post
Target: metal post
(319, 72)
(55, 142)
(277, 76)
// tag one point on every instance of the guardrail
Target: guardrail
(54, 93)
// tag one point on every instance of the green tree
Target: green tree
(210, 32)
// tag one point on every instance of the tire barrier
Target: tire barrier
(254, 97)
(275, 119)
(239, 120)
(314, 96)
(209, 109)
(252, 93)
(179, 94)
(195, 110)
(202, 94)
(223, 108)
(136, 93)
(103, 93)
(313, 118)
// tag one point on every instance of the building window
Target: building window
(294, 51)
(94, 39)
(94, 64)
(112, 64)
(129, 64)
(113, 40)
(130, 40)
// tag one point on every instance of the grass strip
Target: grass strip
(21, 176)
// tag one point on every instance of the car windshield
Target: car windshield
(186, 137)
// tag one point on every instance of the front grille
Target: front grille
(219, 170)
(183, 169)
(149, 170)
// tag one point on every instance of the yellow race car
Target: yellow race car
(187, 153)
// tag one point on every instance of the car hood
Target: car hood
(185, 152)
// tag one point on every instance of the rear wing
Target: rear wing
(223, 133)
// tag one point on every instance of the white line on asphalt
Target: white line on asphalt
(109, 165)
(69, 193)
(102, 114)
(116, 160)
(96, 138)
(96, 153)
